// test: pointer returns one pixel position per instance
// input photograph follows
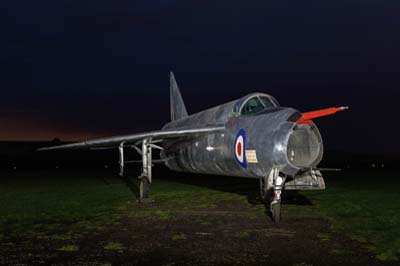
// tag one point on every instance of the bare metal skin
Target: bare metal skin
(250, 137)
(268, 134)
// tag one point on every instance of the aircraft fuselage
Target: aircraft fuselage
(250, 146)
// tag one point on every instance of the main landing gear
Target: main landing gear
(146, 175)
(271, 190)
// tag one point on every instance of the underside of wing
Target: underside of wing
(152, 136)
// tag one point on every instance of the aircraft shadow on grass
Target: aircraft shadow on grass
(241, 186)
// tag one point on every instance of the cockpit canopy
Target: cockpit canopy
(255, 103)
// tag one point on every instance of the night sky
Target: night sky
(82, 69)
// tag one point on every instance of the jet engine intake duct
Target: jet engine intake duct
(305, 148)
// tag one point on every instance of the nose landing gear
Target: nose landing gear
(271, 190)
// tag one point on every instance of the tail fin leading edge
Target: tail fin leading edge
(178, 109)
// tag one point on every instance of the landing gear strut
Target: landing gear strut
(146, 176)
(271, 189)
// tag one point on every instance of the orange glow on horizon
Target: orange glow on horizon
(22, 128)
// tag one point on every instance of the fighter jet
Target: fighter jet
(251, 137)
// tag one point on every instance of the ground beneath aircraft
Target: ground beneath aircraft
(97, 222)
(195, 238)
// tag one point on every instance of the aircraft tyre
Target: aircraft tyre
(276, 212)
(266, 192)
(266, 196)
(144, 189)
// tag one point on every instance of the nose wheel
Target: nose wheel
(276, 212)
(270, 191)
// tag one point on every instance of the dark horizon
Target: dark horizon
(84, 70)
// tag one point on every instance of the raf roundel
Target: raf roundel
(240, 148)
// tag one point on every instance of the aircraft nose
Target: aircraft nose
(304, 146)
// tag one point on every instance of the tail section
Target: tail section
(178, 109)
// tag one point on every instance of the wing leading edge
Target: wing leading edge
(135, 138)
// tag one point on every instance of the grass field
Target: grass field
(366, 206)
(66, 205)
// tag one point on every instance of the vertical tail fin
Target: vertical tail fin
(178, 109)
